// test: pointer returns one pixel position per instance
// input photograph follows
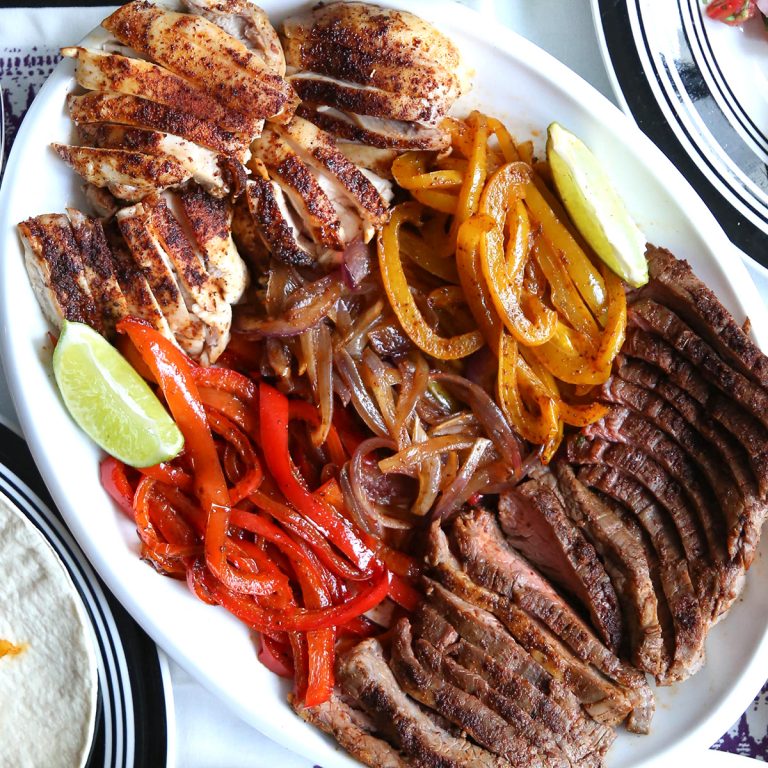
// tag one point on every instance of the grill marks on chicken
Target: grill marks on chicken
(201, 51)
(197, 92)
(142, 264)
(373, 75)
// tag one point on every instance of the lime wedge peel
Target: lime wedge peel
(110, 402)
(595, 207)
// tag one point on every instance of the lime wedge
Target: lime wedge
(109, 401)
(595, 207)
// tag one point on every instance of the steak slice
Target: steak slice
(730, 448)
(674, 285)
(535, 523)
(650, 316)
(634, 463)
(688, 621)
(493, 564)
(467, 604)
(621, 425)
(364, 676)
(625, 558)
(427, 683)
(353, 730)
(582, 740)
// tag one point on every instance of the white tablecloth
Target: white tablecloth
(207, 734)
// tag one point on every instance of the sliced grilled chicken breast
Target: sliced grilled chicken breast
(126, 174)
(122, 109)
(157, 268)
(388, 49)
(112, 72)
(277, 224)
(99, 269)
(371, 158)
(302, 188)
(202, 164)
(246, 22)
(133, 283)
(210, 222)
(200, 51)
(376, 131)
(201, 291)
(318, 149)
(55, 270)
(314, 88)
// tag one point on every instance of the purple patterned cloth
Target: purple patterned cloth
(22, 73)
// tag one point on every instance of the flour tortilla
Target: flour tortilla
(48, 691)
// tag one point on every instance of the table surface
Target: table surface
(575, 43)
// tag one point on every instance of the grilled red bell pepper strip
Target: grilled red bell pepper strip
(275, 656)
(301, 619)
(273, 419)
(173, 372)
(115, 482)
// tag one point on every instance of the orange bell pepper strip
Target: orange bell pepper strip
(399, 294)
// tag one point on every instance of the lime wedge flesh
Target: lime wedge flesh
(595, 207)
(110, 402)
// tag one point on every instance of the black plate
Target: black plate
(132, 723)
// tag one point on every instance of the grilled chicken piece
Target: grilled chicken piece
(55, 270)
(99, 269)
(379, 161)
(246, 22)
(298, 182)
(138, 294)
(372, 46)
(203, 165)
(277, 224)
(103, 203)
(126, 174)
(314, 88)
(376, 131)
(201, 289)
(210, 223)
(199, 50)
(317, 149)
(122, 109)
(154, 262)
(112, 72)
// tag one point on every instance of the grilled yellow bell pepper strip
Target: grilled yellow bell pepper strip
(403, 304)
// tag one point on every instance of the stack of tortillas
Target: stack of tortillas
(48, 677)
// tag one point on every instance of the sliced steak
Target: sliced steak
(425, 680)
(674, 285)
(467, 604)
(697, 436)
(670, 496)
(626, 560)
(689, 623)
(535, 523)
(580, 739)
(364, 675)
(493, 564)
(658, 319)
(623, 426)
(353, 730)
(708, 415)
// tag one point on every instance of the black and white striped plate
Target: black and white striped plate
(699, 90)
(132, 723)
